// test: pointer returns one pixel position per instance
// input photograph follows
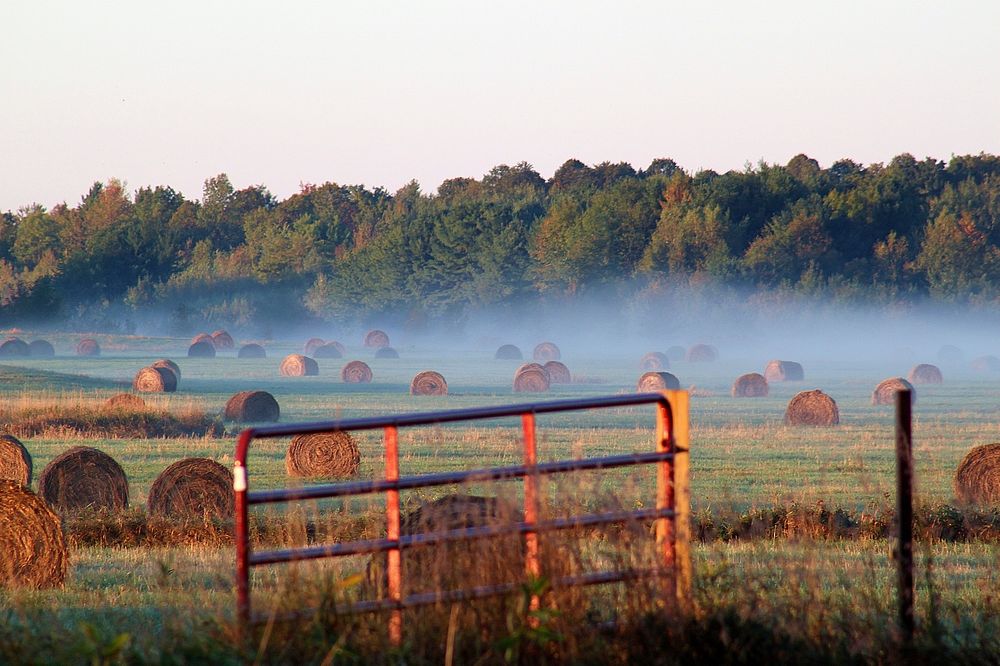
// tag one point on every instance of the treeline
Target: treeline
(887, 233)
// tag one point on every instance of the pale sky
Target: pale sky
(378, 93)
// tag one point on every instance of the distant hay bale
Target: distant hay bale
(813, 408)
(885, 392)
(654, 361)
(531, 378)
(657, 381)
(986, 364)
(508, 353)
(977, 480)
(950, 354)
(88, 347)
(324, 454)
(41, 349)
(329, 350)
(192, 488)
(128, 401)
(376, 338)
(222, 340)
(750, 385)
(312, 344)
(676, 353)
(155, 380)
(702, 354)
(546, 351)
(386, 352)
(202, 349)
(251, 350)
(167, 363)
(32, 547)
(356, 372)
(558, 373)
(784, 371)
(13, 347)
(252, 407)
(15, 461)
(925, 374)
(202, 337)
(81, 478)
(297, 365)
(428, 382)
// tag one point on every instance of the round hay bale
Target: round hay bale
(32, 547)
(925, 374)
(252, 407)
(813, 408)
(202, 349)
(311, 345)
(676, 353)
(986, 364)
(251, 350)
(297, 365)
(326, 454)
(356, 372)
(192, 488)
(558, 372)
(386, 352)
(508, 353)
(170, 365)
(202, 337)
(950, 354)
(654, 361)
(784, 371)
(81, 478)
(222, 340)
(428, 382)
(546, 351)
(41, 349)
(750, 385)
(15, 461)
(702, 354)
(977, 480)
(14, 347)
(127, 401)
(376, 338)
(531, 378)
(155, 380)
(88, 347)
(330, 350)
(657, 381)
(885, 392)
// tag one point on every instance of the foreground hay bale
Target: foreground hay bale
(784, 371)
(252, 407)
(324, 454)
(81, 478)
(654, 361)
(925, 374)
(15, 461)
(297, 365)
(977, 480)
(14, 347)
(386, 352)
(813, 408)
(750, 385)
(986, 364)
(428, 382)
(32, 547)
(702, 354)
(356, 372)
(376, 338)
(508, 353)
(202, 349)
(558, 373)
(657, 381)
(222, 340)
(311, 345)
(531, 378)
(251, 350)
(546, 351)
(330, 350)
(88, 347)
(192, 488)
(126, 401)
(170, 365)
(41, 349)
(885, 392)
(950, 354)
(155, 380)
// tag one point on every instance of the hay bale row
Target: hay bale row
(654, 361)
(325, 454)
(192, 488)
(784, 371)
(508, 353)
(386, 352)
(428, 382)
(251, 407)
(170, 365)
(155, 380)
(222, 340)
(813, 408)
(977, 480)
(84, 477)
(311, 345)
(924, 374)
(33, 549)
(203, 348)
(702, 353)
(15, 461)
(252, 350)
(376, 338)
(297, 365)
(41, 349)
(88, 347)
(885, 392)
(356, 372)
(14, 347)
(558, 372)
(531, 378)
(546, 351)
(657, 381)
(750, 385)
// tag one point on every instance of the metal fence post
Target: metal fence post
(665, 527)
(680, 408)
(531, 559)
(904, 512)
(393, 565)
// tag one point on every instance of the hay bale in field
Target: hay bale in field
(654, 361)
(326, 454)
(676, 353)
(41, 349)
(88, 347)
(356, 372)
(546, 351)
(885, 392)
(170, 365)
(14, 347)
(297, 365)
(330, 350)
(813, 408)
(32, 547)
(84, 477)
(202, 349)
(986, 364)
(251, 407)
(128, 401)
(784, 371)
(202, 337)
(311, 345)
(977, 480)
(558, 372)
(428, 382)
(508, 353)
(155, 380)
(222, 340)
(386, 352)
(15, 461)
(950, 354)
(251, 350)
(657, 381)
(750, 385)
(192, 488)
(531, 378)
(376, 338)
(702, 353)
(925, 374)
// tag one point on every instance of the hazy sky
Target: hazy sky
(281, 93)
